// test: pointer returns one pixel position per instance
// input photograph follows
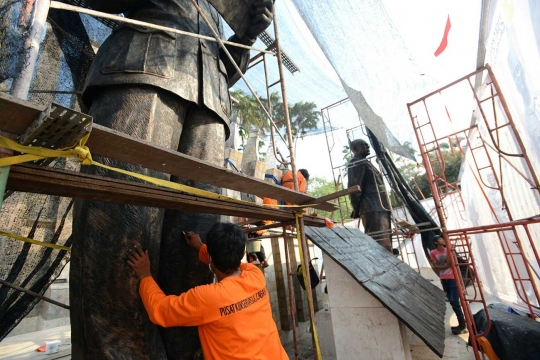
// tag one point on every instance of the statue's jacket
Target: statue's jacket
(184, 65)
(361, 172)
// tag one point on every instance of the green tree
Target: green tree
(304, 117)
(250, 115)
(415, 174)
(319, 187)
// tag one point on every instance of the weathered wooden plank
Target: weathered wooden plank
(405, 293)
(50, 181)
(116, 145)
(16, 114)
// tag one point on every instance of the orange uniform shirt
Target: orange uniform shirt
(233, 316)
(287, 181)
(272, 203)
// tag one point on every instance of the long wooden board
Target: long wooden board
(16, 115)
(51, 181)
(419, 304)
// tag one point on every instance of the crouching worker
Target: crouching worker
(233, 316)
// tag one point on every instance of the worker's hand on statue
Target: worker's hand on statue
(260, 18)
(193, 240)
(139, 262)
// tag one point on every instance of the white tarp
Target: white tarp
(513, 51)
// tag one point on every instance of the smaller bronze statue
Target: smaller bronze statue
(371, 203)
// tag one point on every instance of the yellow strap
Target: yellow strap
(82, 153)
(297, 216)
(35, 242)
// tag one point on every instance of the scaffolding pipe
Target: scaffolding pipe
(235, 65)
(303, 241)
(21, 84)
(442, 221)
(514, 129)
(290, 293)
(62, 6)
(270, 111)
(34, 294)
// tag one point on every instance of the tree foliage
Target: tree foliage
(414, 173)
(448, 159)
(303, 115)
(319, 187)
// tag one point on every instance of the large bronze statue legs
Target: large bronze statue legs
(378, 221)
(203, 137)
(107, 317)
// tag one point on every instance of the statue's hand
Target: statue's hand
(139, 262)
(260, 18)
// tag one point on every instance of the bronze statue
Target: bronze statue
(171, 90)
(371, 203)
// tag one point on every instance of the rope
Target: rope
(228, 161)
(297, 216)
(270, 176)
(35, 242)
(82, 153)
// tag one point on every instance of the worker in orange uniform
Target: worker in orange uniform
(233, 316)
(303, 178)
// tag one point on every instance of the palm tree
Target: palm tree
(249, 113)
(304, 117)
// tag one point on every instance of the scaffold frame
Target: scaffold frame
(458, 241)
(21, 88)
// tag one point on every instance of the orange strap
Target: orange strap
(487, 349)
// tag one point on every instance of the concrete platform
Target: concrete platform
(24, 346)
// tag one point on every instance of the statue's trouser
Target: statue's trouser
(378, 221)
(107, 317)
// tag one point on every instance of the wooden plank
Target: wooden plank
(17, 114)
(51, 181)
(337, 194)
(172, 162)
(269, 226)
(411, 298)
(116, 145)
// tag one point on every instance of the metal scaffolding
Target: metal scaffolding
(21, 88)
(401, 234)
(486, 159)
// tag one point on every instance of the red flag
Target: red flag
(444, 41)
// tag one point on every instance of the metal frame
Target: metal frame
(21, 87)
(459, 239)
(337, 173)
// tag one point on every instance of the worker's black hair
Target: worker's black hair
(305, 173)
(226, 244)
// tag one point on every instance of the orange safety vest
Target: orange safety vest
(287, 181)
(234, 316)
(271, 203)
